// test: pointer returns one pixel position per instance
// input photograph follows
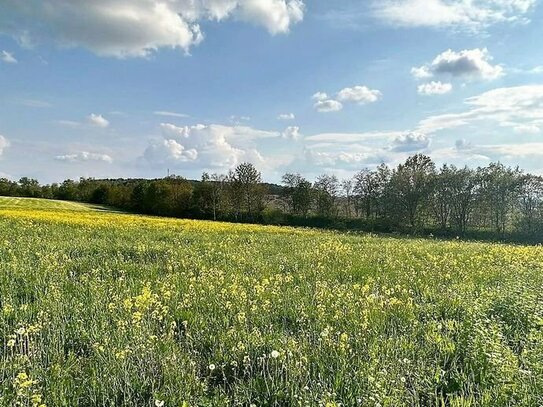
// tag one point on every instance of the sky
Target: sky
(137, 88)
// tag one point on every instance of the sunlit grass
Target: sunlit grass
(107, 309)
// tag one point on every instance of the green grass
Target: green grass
(107, 309)
(46, 204)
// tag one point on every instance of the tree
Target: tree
(68, 191)
(8, 188)
(218, 186)
(531, 205)
(501, 188)
(369, 190)
(29, 187)
(326, 189)
(347, 187)
(181, 194)
(442, 196)
(463, 184)
(298, 193)
(246, 181)
(410, 187)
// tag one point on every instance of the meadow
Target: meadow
(109, 309)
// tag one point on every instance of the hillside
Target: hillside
(112, 309)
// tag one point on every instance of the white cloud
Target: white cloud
(170, 114)
(208, 146)
(353, 138)
(526, 129)
(7, 57)
(292, 133)
(286, 116)
(364, 156)
(506, 151)
(84, 156)
(359, 94)
(169, 150)
(492, 152)
(470, 64)
(97, 120)
(237, 120)
(135, 28)
(434, 88)
(468, 14)
(276, 15)
(320, 96)
(421, 72)
(410, 142)
(4, 143)
(329, 105)
(508, 107)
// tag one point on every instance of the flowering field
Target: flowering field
(108, 309)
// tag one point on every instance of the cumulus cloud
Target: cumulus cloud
(364, 156)
(320, 96)
(359, 94)
(136, 28)
(169, 150)
(4, 143)
(508, 107)
(208, 146)
(292, 133)
(469, 64)
(84, 156)
(7, 57)
(286, 116)
(326, 106)
(97, 120)
(467, 14)
(410, 142)
(434, 88)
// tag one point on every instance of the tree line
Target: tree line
(495, 201)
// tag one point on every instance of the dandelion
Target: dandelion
(274, 354)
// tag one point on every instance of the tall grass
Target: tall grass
(103, 309)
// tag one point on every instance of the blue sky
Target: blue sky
(122, 88)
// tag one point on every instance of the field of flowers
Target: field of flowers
(109, 309)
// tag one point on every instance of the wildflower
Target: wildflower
(11, 343)
(159, 403)
(21, 331)
(212, 367)
(274, 354)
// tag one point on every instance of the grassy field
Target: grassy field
(108, 309)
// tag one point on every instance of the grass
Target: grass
(15, 203)
(107, 309)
